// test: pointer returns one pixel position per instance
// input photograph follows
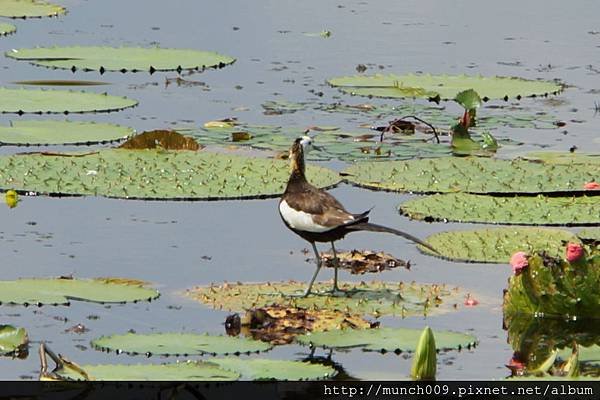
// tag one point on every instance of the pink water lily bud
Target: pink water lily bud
(471, 301)
(592, 186)
(574, 252)
(518, 262)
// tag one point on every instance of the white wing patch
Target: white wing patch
(300, 220)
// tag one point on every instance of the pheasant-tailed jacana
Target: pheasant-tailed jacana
(317, 216)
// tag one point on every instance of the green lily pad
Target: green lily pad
(384, 339)
(281, 370)
(92, 58)
(587, 355)
(496, 245)
(27, 101)
(184, 371)
(12, 340)
(472, 175)
(592, 234)
(166, 344)
(7, 29)
(61, 291)
(563, 157)
(37, 132)
(374, 298)
(282, 107)
(444, 86)
(520, 210)
(29, 9)
(153, 174)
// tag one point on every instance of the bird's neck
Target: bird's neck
(297, 179)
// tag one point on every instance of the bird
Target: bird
(317, 216)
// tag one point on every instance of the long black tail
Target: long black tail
(367, 226)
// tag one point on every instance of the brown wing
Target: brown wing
(324, 208)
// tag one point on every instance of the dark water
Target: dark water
(164, 242)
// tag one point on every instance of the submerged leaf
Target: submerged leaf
(57, 291)
(175, 344)
(122, 59)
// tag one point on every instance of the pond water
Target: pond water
(176, 245)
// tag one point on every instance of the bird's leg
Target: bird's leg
(318, 258)
(336, 264)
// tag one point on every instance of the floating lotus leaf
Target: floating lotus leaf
(520, 210)
(374, 298)
(26, 101)
(38, 132)
(552, 286)
(121, 59)
(166, 344)
(590, 234)
(444, 86)
(57, 291)
(153, 174)
(361, 261)
(281, 370)
(563, 157)
(184, 371)
(281, 107)
(385, 339)
(29, 9)
(13, 341)
(7, 29)
(279, 324)
(472, 175)
(496, 245)
(165, 139)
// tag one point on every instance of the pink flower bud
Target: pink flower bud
(574, 252)
(471, 301)
(518, 262)
(592, 186)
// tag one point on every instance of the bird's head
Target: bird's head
(301, 146)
